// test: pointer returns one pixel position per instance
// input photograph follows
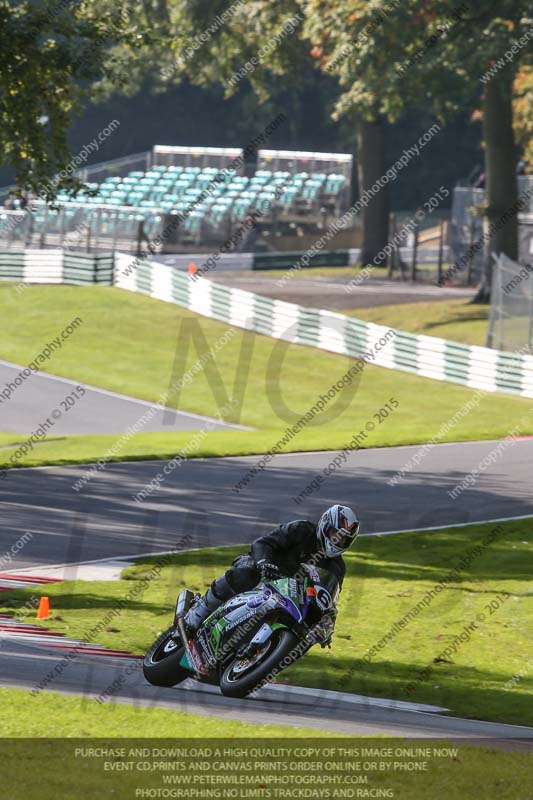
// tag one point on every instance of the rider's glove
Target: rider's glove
(268, 570)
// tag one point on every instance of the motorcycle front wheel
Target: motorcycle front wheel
(243, 675)
(161, 665)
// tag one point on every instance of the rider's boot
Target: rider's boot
(219, 591)
(200, 610)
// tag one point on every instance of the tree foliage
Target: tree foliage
(392, 55)
(389, 55)
(523, 118)
(51, 55)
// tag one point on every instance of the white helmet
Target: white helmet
(337, 530)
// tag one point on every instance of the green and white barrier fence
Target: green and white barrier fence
(428, 356)
(55, 266)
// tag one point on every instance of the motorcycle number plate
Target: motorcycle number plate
(323, 599)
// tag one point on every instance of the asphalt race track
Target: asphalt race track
(329, 291)
(24, 665)
(198, 500)
(103, 521)
(40, 397)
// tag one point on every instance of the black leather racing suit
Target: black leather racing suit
(288, 546)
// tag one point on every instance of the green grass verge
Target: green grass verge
(458, 320)
(128, 344)
(386, 577)
(60, 716)
(39, 767)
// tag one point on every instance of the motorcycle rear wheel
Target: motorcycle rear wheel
(161, 665)
(235, 683)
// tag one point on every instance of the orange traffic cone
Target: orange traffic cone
(192, 268)
(43, 612)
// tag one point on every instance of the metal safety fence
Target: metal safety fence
(511, 310)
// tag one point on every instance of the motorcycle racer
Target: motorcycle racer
(281, 553)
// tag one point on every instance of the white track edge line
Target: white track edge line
(22, 570)
(124, 397)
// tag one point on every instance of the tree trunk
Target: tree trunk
(371, 166)
(500, 224)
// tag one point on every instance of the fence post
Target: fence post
(495, 310)
(530, 329)
(441, 251)
(470, 262)
(29, 228)
(115, 231)
(390, 258)
(62, 226)
(415, 251)
(88, 245)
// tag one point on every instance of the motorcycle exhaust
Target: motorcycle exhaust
(185, 600)
(183, 603)
(183, 633)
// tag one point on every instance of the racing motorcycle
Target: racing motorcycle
(250, 638)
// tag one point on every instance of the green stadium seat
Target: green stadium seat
(204, 180)
(134, 198)
(334, 183)
(168, 189)
(311, 189)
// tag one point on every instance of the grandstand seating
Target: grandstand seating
(175, 188)
(115, 206)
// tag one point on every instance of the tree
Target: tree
(209, 51)
(371, 167)
(50, 56)
(397, 55)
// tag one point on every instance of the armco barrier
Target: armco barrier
(428, 356)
